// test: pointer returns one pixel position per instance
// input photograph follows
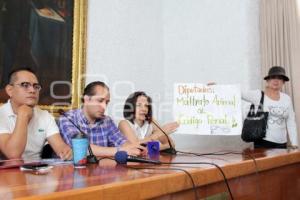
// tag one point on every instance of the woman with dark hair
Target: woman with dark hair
(281, 120)
(138, 126)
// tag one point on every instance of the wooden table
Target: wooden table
(276, 175)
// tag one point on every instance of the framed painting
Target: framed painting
(48, 36)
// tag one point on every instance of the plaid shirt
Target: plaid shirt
(103, 132)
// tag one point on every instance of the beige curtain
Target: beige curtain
(280, 43)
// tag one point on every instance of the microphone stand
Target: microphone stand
(91, 158)
(171, 150)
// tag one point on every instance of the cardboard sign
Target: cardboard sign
(208, 110)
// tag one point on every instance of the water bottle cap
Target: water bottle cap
(79, 136)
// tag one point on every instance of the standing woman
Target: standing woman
(281, 120)
(137, 125)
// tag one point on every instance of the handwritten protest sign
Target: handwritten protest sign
(208, 110)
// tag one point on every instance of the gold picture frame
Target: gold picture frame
(78, 57)
(77, 53)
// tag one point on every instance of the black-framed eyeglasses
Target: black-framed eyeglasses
(27, 85)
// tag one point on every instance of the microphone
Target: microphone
(122, 158)
(171, 150)
(91, 158)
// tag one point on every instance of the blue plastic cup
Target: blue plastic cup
(153, 149)
(80, 145)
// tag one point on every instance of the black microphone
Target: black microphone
(90, 158)
(122, 158)
(171, 150)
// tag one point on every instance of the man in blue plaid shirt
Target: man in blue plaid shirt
(104, 136)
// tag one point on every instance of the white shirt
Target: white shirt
(281, 118)
(141, 131)
(41, 126)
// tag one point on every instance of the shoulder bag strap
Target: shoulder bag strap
(261, 102)
(251, 112)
